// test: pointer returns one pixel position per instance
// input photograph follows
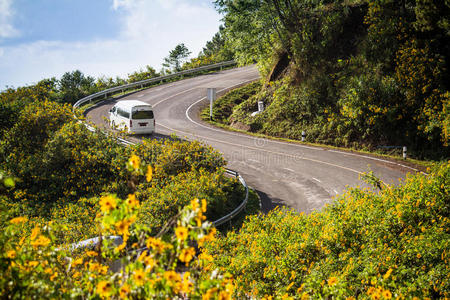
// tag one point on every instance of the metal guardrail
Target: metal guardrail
(142, 83)
(145, 82)
(241, 206)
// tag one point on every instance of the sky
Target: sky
(46, 38)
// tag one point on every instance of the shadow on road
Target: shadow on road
(267, 203)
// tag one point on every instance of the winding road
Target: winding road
(302, 177)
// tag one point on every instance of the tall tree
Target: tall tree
(74, 85)
(177, 57)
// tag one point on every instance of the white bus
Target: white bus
(132, 116)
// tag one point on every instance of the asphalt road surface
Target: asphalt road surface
(299, 176)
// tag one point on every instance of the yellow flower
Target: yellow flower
(181, 233)
(34, 232)
(186, 255)
(91, 253)
(149, 174)
(203, 205)
(77, 261)
(332, 281)
(187, 284)
(33, 264)
(209, 294)
(139, 277)
(376, 296)
(135, 161)
(41, 241)
(212, 233)
(124, 291)
(11, 254)
(122, 227)
(18, 220)
(172, 276)
(195, 205)
(387, 294)
(132, 201)
(155, 244)
(223, 295)
(107, 203)
(388, 273)
(104, 288)
(53, 276)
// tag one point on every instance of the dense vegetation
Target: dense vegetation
(59, 165)
(61, 183)
(394, 244)
(350, 73)
(139, 266)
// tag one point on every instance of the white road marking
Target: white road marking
(264, 150)
(316, 179)
(185, 91)
(177, 94)
(290, 170)
(335, 192)
(253, 160)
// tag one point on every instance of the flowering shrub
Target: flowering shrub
(142, 266)
(387, 245)
(64, 167)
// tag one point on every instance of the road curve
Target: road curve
(302, 177)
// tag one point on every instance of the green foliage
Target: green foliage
(176, 57)
(223, 107)
(357, 73)
(34, 126)
(12, 101)
(216, 47)
(365, 244)
(74, 85)
(248, 29)
(148, 73)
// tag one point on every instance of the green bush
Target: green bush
(392, 244)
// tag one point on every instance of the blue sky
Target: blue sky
(45, 38)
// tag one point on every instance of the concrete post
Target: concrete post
(260, 106)
(211, 95)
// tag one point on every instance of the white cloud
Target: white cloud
(7, 30)
(122, 3)
(149, 30)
